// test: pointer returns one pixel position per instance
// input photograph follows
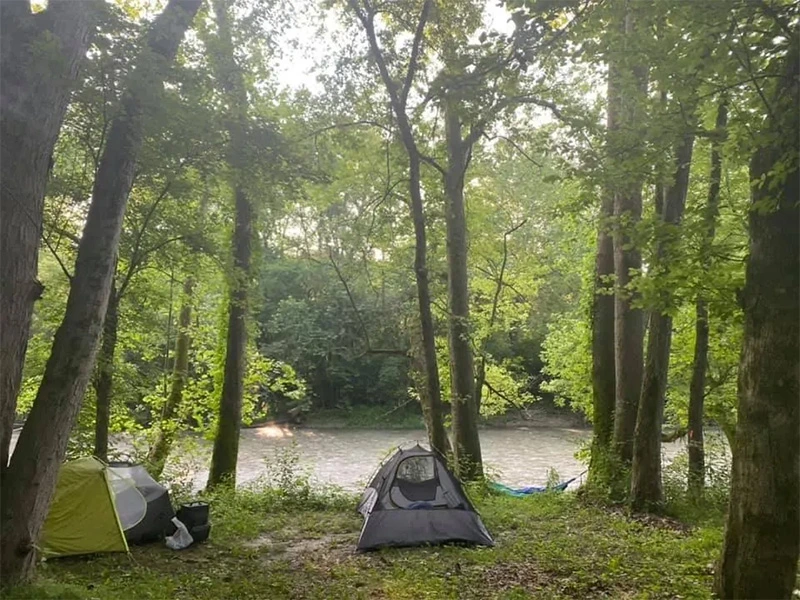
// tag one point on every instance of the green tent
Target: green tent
(83, 516)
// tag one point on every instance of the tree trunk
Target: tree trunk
(105, 376)
(421, 383)
(603, 365)
(646, 486)
(466, 441)
(42, 445)
(603, 379)
(162, 444)
(437, 435)
(398, 95)
(762, 537)
(697, 387)
(41, 56)
(226, 442)
(626, 141)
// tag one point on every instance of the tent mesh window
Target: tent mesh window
(416, 478)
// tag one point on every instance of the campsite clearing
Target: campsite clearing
(268, 544)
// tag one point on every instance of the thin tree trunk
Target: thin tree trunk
(466, 441)
(162, 444)
(437, 435)
(226, 442)
(697, 387)
(105, 376)
(398, 94)
(646, 485)
(40, 60)
(626, 141)
(421, 384)
(42, 445)
(762, 536)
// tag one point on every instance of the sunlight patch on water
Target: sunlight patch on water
(274, 431)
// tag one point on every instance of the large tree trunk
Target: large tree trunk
(162, 444)
(646, 488)
(697, 387)
(603, 364)
(466, 441)
(226, 442)
(762, 537)
(603, 379)
(42, 445)
(39, 63)
(626, 139)
(398, 94)
(104, 378)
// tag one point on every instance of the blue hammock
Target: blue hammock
(531, 489)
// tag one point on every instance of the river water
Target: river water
(347, 457)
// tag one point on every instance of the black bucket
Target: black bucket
(193, 514)
(200, 532)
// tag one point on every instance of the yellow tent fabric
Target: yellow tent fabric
(83, 518)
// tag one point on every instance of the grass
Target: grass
(298, 543)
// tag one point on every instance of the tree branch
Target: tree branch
(413, 61)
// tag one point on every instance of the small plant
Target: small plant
(553, 478)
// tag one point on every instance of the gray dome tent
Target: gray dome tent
(415, 500)
(140, 501)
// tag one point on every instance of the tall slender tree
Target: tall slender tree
(603, 370)
(646, 486)
(162, 444)
(398, 92)
(40, 61)
(697, 387)
(42, 445)
(466, 442)
(626, 144)
(231, 78)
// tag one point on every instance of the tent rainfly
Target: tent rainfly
(101, 508)
(414, 500)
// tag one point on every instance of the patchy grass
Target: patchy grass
(271, 544)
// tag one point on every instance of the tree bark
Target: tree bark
(646, 485)
(41, 447)
(226, 442)
(421, 379)
(437, 436)
(41, 56)
(762, 537)
(466, 441)
(162, 444)
(603, 376)
(697, 387)
(626, 140)
(105, 376)
(603, 362)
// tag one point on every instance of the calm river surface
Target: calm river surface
(347, 457)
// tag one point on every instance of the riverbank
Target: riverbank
(300, 544)
(365, 417)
